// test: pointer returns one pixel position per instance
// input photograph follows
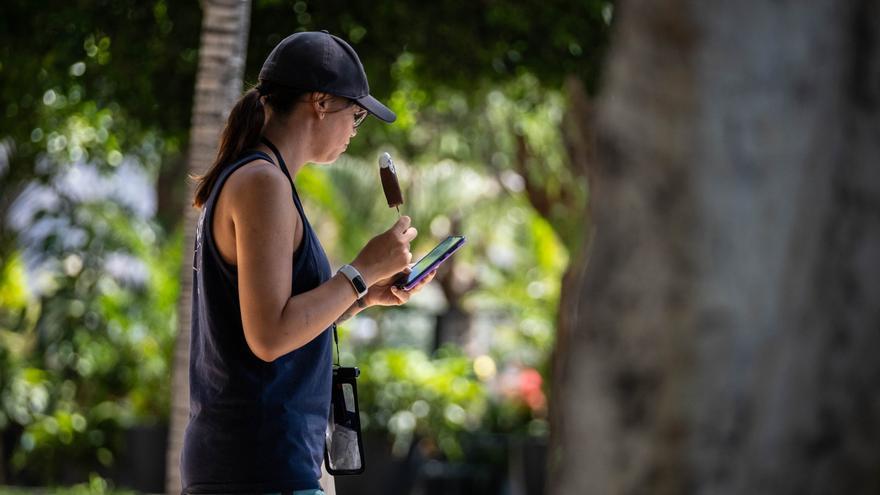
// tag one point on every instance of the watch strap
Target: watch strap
(356, 279)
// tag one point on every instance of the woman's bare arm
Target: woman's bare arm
(265, 219)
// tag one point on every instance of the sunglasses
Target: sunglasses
(359, 116)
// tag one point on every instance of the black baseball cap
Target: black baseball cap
(320, 61)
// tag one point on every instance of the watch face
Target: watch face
(359, 284)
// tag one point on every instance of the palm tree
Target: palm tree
(225, 25)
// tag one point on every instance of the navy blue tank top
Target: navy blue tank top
(253, 426)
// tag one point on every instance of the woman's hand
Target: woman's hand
(384, 293)
(387, 253)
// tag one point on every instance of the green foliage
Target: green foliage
(95, 486)
(409, 394)
(455, 44)
(82, 352)
(85, 353)
(97, 358)
(18, 310)
(73, 70)
(121, 52)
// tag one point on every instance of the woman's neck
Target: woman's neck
(291, 141)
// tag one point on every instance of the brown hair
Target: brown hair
(243, 129)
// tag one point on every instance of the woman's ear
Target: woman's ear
(320, 103)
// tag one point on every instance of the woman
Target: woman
(265, 302)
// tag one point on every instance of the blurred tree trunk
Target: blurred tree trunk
(725, 332)
(578, 136)
(225, 25)
(578, 133)
(172, 193)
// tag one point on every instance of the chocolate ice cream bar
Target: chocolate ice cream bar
(389, 181)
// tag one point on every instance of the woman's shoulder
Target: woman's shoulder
(257, 184)
(258, 176)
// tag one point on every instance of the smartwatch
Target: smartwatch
(357, 281)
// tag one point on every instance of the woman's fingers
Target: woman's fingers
(402, 224)
(424, 281)
(430, 276)
(401, 295)
(410, 234)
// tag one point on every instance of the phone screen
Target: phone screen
(432, 259)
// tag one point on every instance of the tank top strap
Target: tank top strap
(244, 160)
(283, 168)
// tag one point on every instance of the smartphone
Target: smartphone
(430, 261)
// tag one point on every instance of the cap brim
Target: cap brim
(376, 108)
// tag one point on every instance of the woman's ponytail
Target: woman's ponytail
(243, 129)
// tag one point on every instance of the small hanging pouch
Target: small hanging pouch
(343, 446)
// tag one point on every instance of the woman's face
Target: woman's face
(336, 127)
